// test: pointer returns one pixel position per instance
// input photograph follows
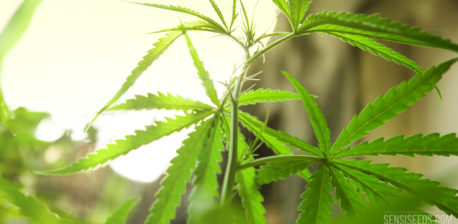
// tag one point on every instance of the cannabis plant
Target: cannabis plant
(333, 170)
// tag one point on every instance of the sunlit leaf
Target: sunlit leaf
(248, 189)
(205, 184)
(198, 25)
(373, 26)
(185, 11)
(275, 138)
(207, 83)
(395, 101)
(350, 200)
(131, 142)
(266, 95)
(428, 145)
(161, 101)
(368, 44)
(316, 116)
(430, 191)
(159, 47)
(298, 9)
(13, 31)
(33, 209)
(275, 171)
(218, 11)
(317, 199)
(178, 174)
(376, 190)
(121, 214)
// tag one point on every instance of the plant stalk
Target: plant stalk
(232, 162)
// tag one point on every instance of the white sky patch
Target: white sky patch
(77, 54)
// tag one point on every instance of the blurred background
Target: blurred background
(76, 54)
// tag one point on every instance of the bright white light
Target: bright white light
(77, 54)
(49, 130)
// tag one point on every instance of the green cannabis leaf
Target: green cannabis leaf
(372, 26)
(265, 95)
(120, 215)
(131, 142)
(161, 101)
(179, 173)
(159, 47)
(207, 83)
(316, 206)
(328, 168)
(29, 206)
(395, 101)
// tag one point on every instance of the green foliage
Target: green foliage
(248, 189)
(316, 206)
(275, 139)
(265, 95)
(131, 142)
(357, 184)
(316, 117)
(207, 83)
(161, 101)
(428, 145)
(444, 198)
(120, 215)
(275, 171)
(159, 47)
(187, 11)
(179, 173)
(368, 44)
(294, 10)
(218, 11)
(11, 34)
(373, 26)
(395, 101)
(17, 25)
(29, 206)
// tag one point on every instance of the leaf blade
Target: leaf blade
(185, 11)
(179, 173)
(377, 49)
(275, 171)
(161, 101)
(265, 95)
(430, 191)
(30, 207)
(298, 10)
(274, 138)
(350, 200)
(428, 145)
(316, 206)
(153, 54)
(376, 190)
(373, 26)
(10, 35)
(395, 101)
(248, 190)
(131, 142)
(205, 183)
(120, 215)
(218, 11)
(316, 116)
(207, 83)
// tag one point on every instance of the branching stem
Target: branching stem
(232, 161)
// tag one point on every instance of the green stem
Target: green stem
(279, 158)
(232, 162)
(264, 50)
